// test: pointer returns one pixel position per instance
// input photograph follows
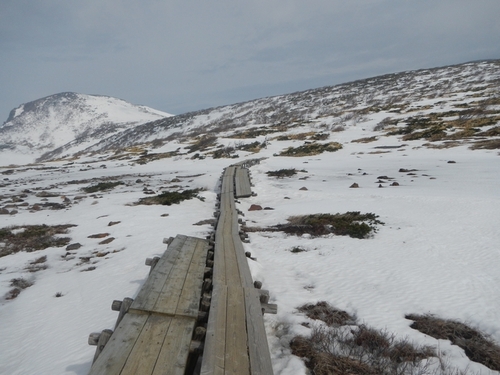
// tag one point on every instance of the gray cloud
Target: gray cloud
(178, 56)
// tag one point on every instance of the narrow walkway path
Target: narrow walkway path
(194, 292)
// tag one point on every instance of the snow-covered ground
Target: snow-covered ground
(437, 253)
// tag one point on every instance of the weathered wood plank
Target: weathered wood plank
(236, 360)
(169, 296)
(115, 353)
(150, 291)
(189, 299)
(242, 183)
(144, 355)
(174, 353)
(215, 339)
(258, 348)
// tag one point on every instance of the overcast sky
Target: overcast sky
(178, 55)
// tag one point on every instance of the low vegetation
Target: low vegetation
(281, 173)
(202, 143)
(308, 149)
(342, 346)
(167, 198)
(353, 224)
(476, 345)
(101, 186)
(18, 285)
(149, 157)
(32, 237)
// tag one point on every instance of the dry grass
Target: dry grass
(491, 144)
(32, 237)
(326, 313)
(308, 149)
(344, 347)
(477, 346)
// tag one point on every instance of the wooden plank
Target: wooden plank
(215, 340)
(174, 353)
(151, 289)
(242, 182)
(258, 348)
(169, 296)
(144, 355)
(236, 359)
(189, 299)
(115, 353)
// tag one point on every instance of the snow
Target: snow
(437, 252)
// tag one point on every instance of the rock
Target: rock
(286, 198)
(73, 246)
(394, 184)
(380, 186)
(383, 177)
(13, 212)
(46, 194)
(255, 207)
(36, 207)
(107, 240)
(355, 185)
(164, 215)
(138, 181)
(98, 235)
(111, 223)
(268, 208)
(451, 161)
(303, 188)
(4, 211)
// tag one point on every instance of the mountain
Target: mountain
(409, 103)
(69, 121)
(413, 157)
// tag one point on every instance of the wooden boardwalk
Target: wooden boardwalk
(154, 335)
(236, 341)
(162, 330)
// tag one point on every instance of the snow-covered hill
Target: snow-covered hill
(68, 122)
(422, 148)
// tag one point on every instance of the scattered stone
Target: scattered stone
(165, 215)
(111, 223)
(394, 184)
(286, 198)
(255, 207)
(73, 246)
(268, 208)
(107, 240)
(36, 207)
(355, 185)
(383, 177)
(98, 235)
(303, 188)
(403, 170)
(46, 194)
(204, 222)
(451, 161)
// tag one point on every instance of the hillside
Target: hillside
(417, 151)
(68, 121)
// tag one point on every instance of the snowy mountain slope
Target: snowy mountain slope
(405, 140)
(394, 97)
(53, 122)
